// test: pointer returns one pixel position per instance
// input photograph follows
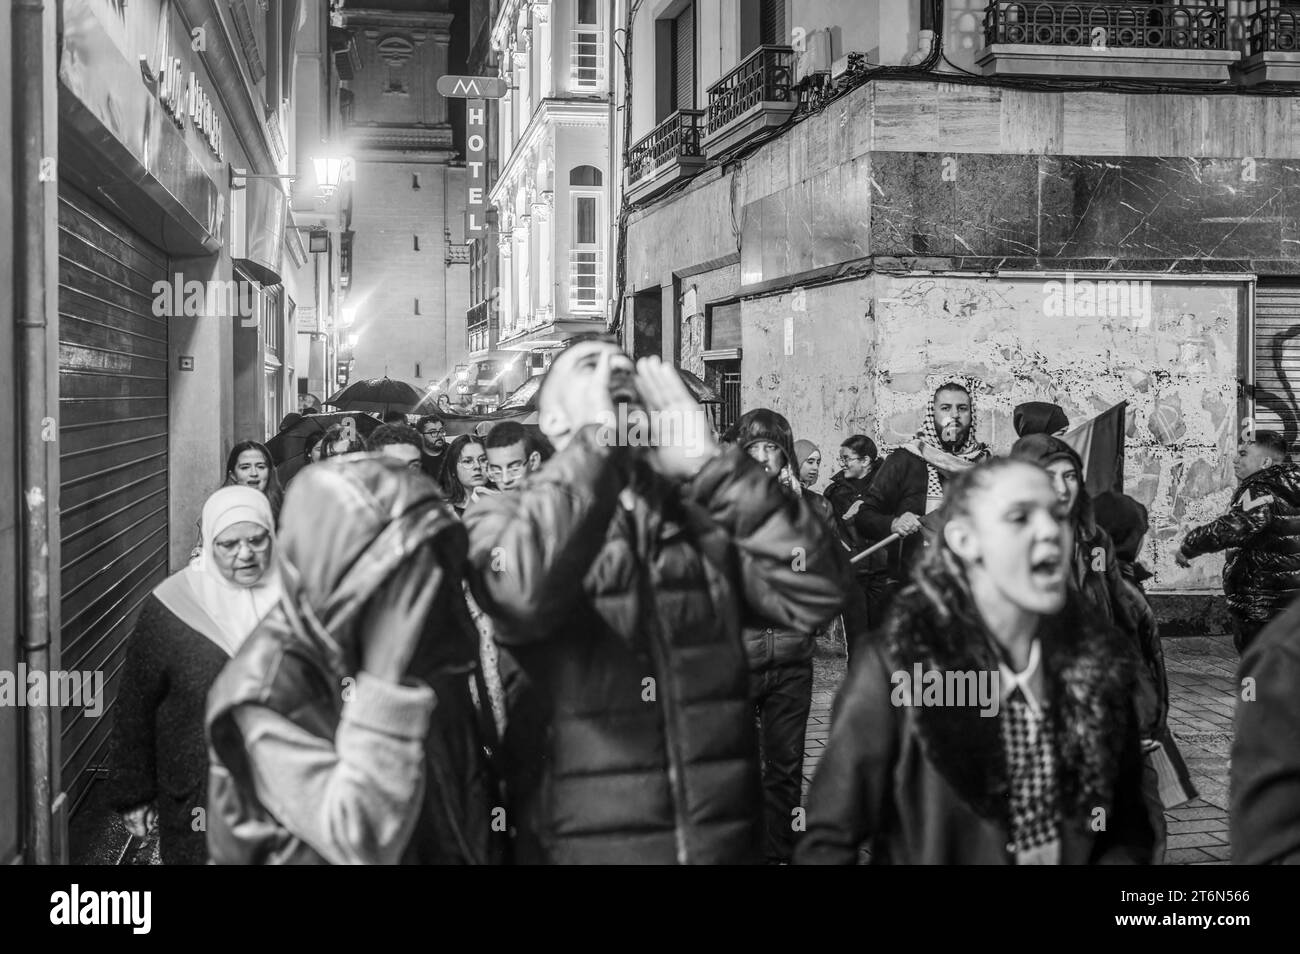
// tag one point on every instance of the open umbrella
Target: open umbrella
(376, 394)
(291, 443)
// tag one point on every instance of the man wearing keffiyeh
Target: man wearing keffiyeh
(911, 481)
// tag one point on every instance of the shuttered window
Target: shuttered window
(112, 455)
(684, 59)
(771, 21)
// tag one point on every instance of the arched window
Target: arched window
(585, 176)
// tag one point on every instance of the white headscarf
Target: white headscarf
(206, 601)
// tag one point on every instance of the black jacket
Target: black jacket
(625, 611)
(1265, 765)
(929, 785)
(899, 487)
(160, 754)
(1261, 532)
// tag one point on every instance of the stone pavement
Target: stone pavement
(1201, 674)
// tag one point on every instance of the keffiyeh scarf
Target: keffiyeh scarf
(929, 447)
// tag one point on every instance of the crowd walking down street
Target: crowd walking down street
(599, 642)
(650, 433)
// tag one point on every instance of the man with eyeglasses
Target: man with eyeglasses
(433, 445)
(512, 455)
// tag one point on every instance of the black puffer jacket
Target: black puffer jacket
(350, 524)
(621, 596)
(1261, 532)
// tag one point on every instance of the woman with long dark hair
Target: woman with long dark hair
(465, 472)
(250, 464)
(992, 722)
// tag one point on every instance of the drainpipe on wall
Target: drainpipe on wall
(925, 39)
(31, 199)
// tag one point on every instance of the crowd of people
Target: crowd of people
(544, 646)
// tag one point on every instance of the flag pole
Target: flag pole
(876, 546)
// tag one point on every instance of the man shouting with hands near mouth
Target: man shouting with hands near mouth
(619, 575)
(911, 481)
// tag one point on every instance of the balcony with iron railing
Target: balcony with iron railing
(673, 151)
(756, 95)
(1174, 40)
(1272, 42)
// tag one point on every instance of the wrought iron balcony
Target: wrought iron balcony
(1169, 40)
(755, 95)
(1272, 42)
(671, 152)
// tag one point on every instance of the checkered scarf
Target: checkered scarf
(972, 452)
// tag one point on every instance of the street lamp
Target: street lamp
(352, 341)
(348, 317)
(329, 172)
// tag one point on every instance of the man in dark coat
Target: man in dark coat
(910, 482)
(1264, 817)
(620, 576)
(780, 658)
(1261, 532)
(433, 445)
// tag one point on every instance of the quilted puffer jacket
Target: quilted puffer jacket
(1261, 532)
(622, 596)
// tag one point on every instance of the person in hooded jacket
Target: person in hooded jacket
(1015, 759)
(344, 731)
(1261, 532)
(780, 659)
(620, 575)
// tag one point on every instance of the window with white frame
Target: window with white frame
(587, 45)
(586, 258)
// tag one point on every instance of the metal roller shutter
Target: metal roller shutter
(113, 454)
(1277, 360)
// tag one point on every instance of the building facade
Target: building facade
(409, 267)
(551, 195)
(173, 271)
(831, 207)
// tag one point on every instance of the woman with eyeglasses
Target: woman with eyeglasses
(188, 628)
(465, 474)
(859, 465)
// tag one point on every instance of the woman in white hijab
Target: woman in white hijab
(188, 628)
